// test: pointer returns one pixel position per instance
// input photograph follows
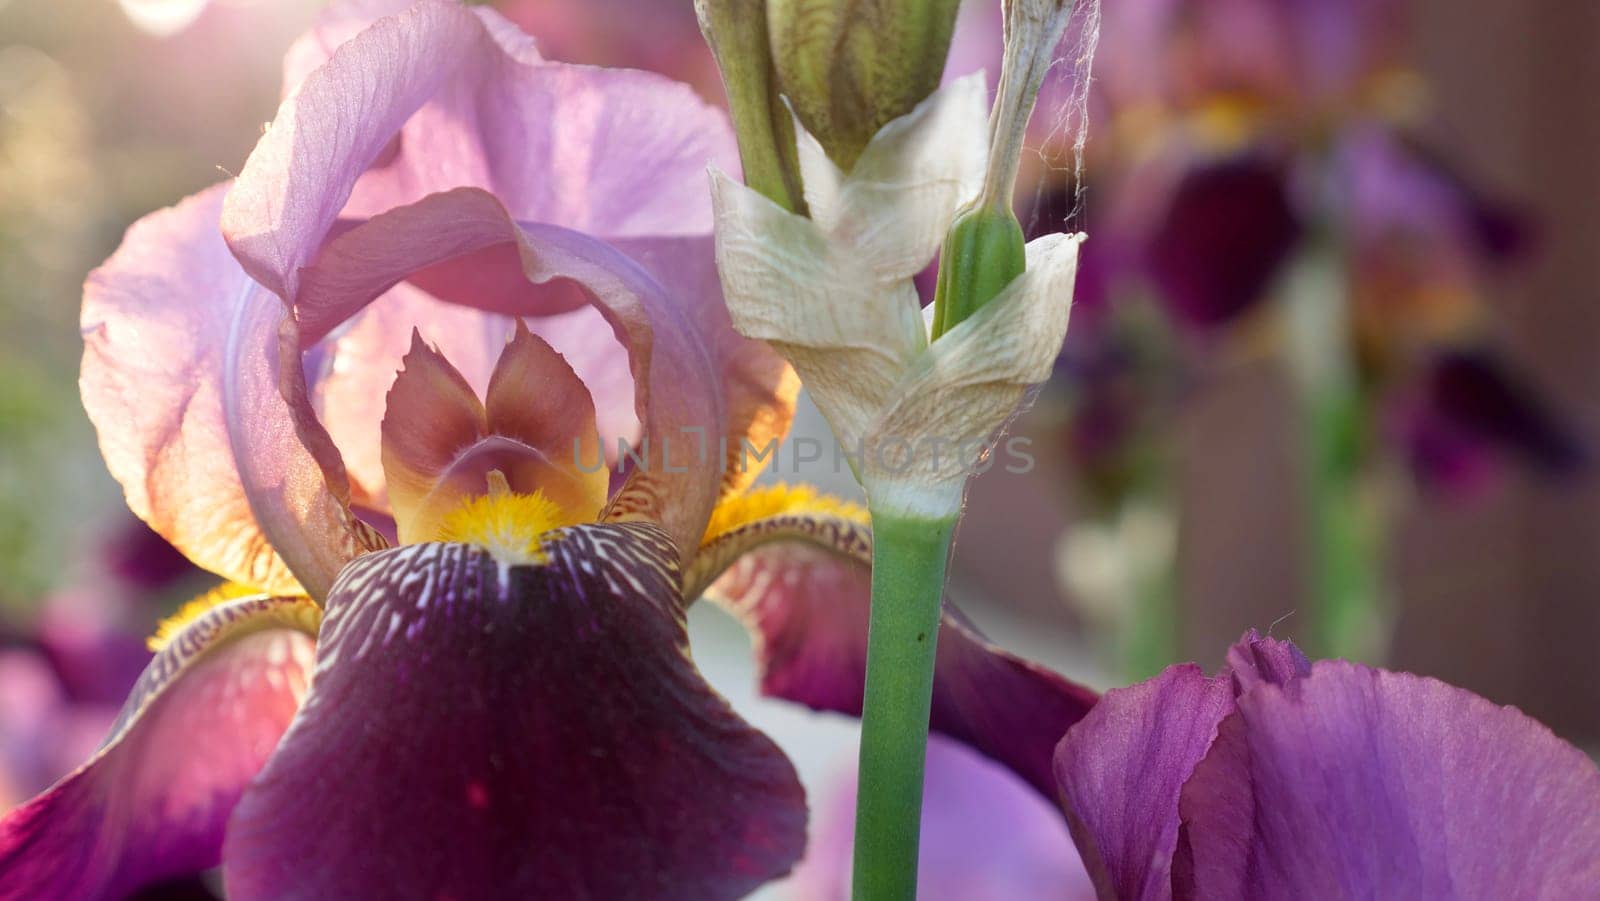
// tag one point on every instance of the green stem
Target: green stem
(1344, 531)
(908, 568)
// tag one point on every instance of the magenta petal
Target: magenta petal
(1355, 782)
(1120, 771)
(808, 608)
(538, 731)
(153, 802)
(440, 99)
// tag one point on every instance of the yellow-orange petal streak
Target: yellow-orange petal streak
(508, 525)
(774, 500)
(169, 628)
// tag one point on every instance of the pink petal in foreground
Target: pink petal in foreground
(155, 325)
(152, 803)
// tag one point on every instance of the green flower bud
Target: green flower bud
(982, 253)
(848, 67)
(736, 30)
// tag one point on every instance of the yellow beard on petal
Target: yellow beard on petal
(509, 525)
(774, 500)
(168, 628)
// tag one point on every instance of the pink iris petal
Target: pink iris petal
(610, 152)
(442, 99)
(152, 803)
(366, 354)
(482, 731)
(286, 460)
(155, 326)
(985, 836)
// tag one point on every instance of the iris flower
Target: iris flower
(454, 661)
(1280, 778)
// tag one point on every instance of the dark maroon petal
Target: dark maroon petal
(152, 803)
(808, 606)
(1359, 783)
(1255, 660)
(477, 730)
(1120, 771)
(1479, 396)
(1229, 229)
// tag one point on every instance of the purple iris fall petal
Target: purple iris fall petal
(808, 608)
(152, 803)
(1228, 229)
(1120, 771)
(477, 730)
(1356, 782)
(1254, 660)
(1292, 780)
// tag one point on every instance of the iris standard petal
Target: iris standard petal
(479, 730)
(155, 321)
(759, 387)
(1120, 771)
(291, 470)
(434, 96)
(1356, 782)
(153, 801)
(800, 581)
(663, 346)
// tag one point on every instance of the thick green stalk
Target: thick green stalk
(908, 568)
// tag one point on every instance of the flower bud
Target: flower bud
(736, 30)
(982, 252)
(849, 67)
